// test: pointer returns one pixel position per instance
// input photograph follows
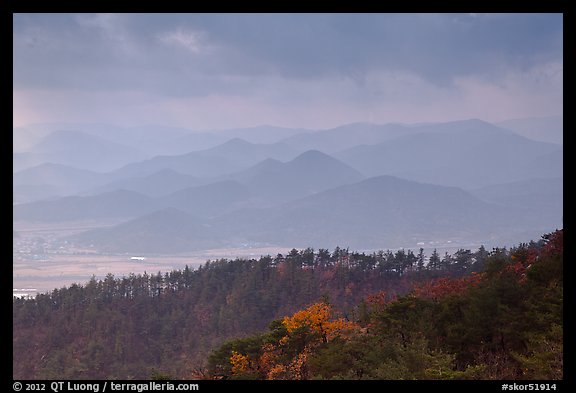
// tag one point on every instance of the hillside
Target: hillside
(340, 138)
(385, 209)
(468, 154)
(119, 203)
(210, 200)
(169, 323)
(364, 215)
(228, 157)
(309, 173)
(542, 197)
(57, 179)
(80, 150)
(474, 327)
(168, 230)
(161, 183)
(544, 129)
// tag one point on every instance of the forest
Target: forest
(309, 314)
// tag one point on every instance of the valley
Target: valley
(42, 261)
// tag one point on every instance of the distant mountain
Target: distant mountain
(343, 137)
(543, 198)
(381, 211)
(262, 134)
(548, 164)
(378, 212)
(194, 164)
(211, 199)
(119, 203)
(544, 129)
(309, 173)
(167, 230)
(231, 156)
(161, 183)
(265, 184)
(50, 180)
(166, 140)
(292, 194)
(23, 138)
(244, 153)
(182, 144)
(78, 149)
(466, 154)
(268, 166)
(31, 193)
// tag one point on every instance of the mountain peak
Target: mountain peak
(313, 155)
(235, 142)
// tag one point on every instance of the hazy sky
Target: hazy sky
(208, 71)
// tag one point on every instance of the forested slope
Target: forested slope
(504, 323)
(169, 324)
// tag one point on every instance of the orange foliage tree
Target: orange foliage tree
(317, 318)
(285, 358)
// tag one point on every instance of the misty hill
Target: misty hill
(31, 193)
(269, 165)
(119, 203)
(23, 138)
(343, 137)
(78, 149)
(211, 199)
(542, 197)
(262, 134)
(160, 183)
(309, 173)
(168, 230)
(467, 154)
(244, 153)
(229, 157)
(265, 184)
(544, 129)
(550, 164)
(378, 212)
(165, 140)
(382, 210)
(46, 180)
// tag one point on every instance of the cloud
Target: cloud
(362, 62)
(191, 40)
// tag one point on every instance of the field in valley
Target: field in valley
(42, 261)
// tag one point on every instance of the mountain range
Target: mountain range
(360, 185)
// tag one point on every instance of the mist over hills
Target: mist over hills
(78, 149)
(309, 173)
(118, 203)
(544, 129)
(466, 154)
(361, 185)
(381, 210)
(167, 230)
(231, 156)
(345, 136)
(538, 197)
(265, 184)
(209, 200)
(49, 180)
(160, 183)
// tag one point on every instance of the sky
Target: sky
(217, 71)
